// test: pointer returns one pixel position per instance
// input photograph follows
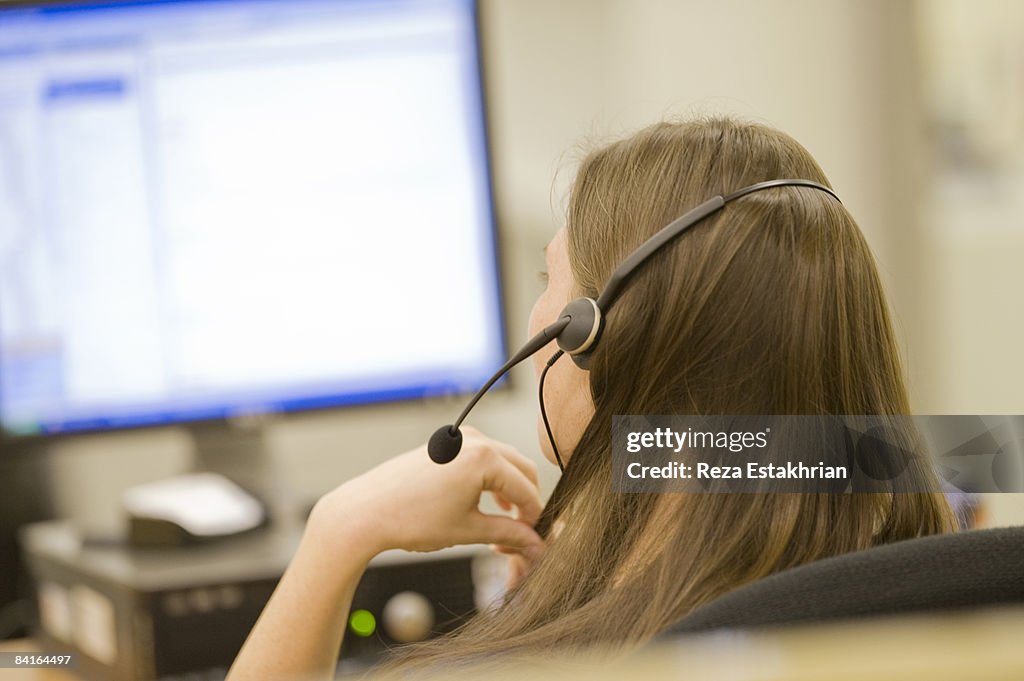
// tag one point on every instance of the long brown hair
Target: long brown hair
(773, 306)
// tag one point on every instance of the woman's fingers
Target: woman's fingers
(506, 480)
(502, 502)
(514, 456)
(409, 502)
(521, 462)
(500, 529)
(531, 552)
(506, 550)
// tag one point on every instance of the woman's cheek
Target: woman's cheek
(533, 327)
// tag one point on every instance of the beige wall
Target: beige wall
(834, 73)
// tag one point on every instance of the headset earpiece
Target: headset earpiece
(585, 324)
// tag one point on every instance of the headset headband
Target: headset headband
(628, 266)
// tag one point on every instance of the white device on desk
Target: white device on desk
(190, 509)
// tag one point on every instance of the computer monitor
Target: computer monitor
(214, 208)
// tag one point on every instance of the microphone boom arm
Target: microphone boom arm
(546, 335)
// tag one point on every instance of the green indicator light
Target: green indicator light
(362, 623)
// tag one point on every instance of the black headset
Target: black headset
(580, 323)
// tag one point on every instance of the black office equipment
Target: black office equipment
(141, 614)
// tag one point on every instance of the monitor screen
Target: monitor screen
(224, 207)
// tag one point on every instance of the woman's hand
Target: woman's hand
(409, 502)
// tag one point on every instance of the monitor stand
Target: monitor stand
(239, 452)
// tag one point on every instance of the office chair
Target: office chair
(970, 569)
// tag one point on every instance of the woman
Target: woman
(771, 306)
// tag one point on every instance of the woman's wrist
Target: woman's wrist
(341, 527)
